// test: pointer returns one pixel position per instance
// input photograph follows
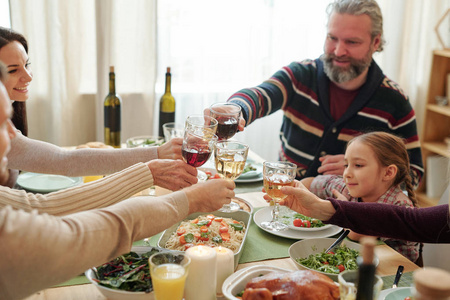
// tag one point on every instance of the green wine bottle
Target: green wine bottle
(112, 109)
(166, 105)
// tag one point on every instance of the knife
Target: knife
(397, 276)
(338, 241)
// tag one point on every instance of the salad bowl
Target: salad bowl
(118, 294)
(304, 248)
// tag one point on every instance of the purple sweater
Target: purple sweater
(425, 225)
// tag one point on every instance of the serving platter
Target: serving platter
(236, 282)
(265, 214)
(240, 215)
(46, 183)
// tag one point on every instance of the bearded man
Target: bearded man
(342, 94)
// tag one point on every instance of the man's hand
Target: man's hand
(331, 165)
(210, 195)
(171, 149)
(241, 124)
(172, 174)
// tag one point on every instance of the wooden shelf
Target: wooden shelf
(436, 124)
(438, 148)
(444, 110)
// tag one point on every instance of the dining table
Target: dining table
(251, 192)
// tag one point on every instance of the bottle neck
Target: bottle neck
(168, 80)
(112, 83)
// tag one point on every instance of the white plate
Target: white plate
(257, 178)
(46, 183)
(265, 214)
(395, 294)
(289, 213)
(236, 282)
(252, 174)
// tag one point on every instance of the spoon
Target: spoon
(397, 276)
(338, 241)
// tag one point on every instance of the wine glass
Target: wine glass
(230, 158)
(197, 148)
(227, 114)
(276, 175)
(202, 123)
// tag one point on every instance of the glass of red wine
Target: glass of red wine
(197, 148)
(227, 114)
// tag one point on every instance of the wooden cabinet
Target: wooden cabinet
(436, 125)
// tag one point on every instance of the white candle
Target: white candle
(225, 266)
(201, 279)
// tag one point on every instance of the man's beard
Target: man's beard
(339, 74)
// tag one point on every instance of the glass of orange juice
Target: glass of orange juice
(169, 271)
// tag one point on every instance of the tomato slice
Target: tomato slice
(341, 268)
(223, 229)
(204, 228)
(181, 231)
(298, 223)
(182, 240)
(225, 236)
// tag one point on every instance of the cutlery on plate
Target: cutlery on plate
(397, 276)
(338, 241)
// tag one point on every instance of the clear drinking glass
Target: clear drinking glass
(172, 130)
(201, 122)
(230, 158)
(197, 148)
(348, 285)
(276, 175)
(227, 115)
(169, 272)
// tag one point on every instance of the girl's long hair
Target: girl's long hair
(390, 150)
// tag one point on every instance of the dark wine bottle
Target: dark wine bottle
(112, 109)
(366, 270)
(166, 105)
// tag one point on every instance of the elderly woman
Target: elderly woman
(36, 156)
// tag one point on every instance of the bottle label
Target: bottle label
(163, 119)
(112, 118)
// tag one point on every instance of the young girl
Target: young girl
(376, 169)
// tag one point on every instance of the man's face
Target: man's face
(348, 47)
(7, 131)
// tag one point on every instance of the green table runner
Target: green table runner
(259, 245)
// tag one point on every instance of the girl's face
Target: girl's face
(364, 176)
(14, 56)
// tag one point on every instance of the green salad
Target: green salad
(129, 272)
(290, 217)
(343, 258)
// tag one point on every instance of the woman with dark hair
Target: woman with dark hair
(37, 156)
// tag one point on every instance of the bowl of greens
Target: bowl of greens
(126, 277)
(144, 141)
(310, 254)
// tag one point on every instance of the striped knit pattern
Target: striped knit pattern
(97, 194)
(309, 131)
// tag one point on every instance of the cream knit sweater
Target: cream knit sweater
(100, 193)
(39, 250)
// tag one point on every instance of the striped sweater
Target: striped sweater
(309, 131)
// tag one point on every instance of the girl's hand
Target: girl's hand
(338, 195)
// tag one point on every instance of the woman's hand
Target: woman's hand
(172, 174)
(210, 195)
(303, 201)
(171, 149)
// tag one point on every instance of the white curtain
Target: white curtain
(72, 43)
(213, 47)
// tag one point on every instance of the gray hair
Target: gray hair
(361, 7)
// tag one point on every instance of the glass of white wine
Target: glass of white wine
(230, 158)
(276, 175)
